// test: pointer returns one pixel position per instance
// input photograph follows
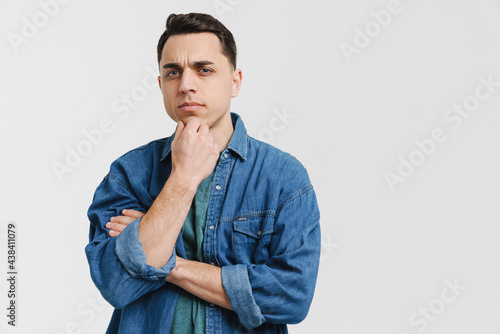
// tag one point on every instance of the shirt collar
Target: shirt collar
(237, 144)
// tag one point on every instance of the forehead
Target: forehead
(189, 47)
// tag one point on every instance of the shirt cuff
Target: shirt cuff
(129, 250)
(239, 291)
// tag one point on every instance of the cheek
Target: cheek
(225, 90)
(169, 92)
(169, 102)
(221, 97)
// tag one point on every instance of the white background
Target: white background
(386, 254)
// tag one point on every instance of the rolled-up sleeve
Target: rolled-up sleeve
(239, 291)
(118, 264)
(131, 254)
(281, 289)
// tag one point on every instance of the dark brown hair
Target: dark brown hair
(192, 23)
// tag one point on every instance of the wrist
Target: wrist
(181, 186)
(176, 273)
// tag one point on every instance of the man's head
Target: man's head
(193, 23)
(197, 61)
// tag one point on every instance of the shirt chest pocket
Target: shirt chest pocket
(253, 229)
(252, 236)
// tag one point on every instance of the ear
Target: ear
(159, 81)
(237, 78)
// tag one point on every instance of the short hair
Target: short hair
(193, 23)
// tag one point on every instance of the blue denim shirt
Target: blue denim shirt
(262, 229)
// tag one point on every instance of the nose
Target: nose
(188, 82)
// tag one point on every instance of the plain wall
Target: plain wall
(388, 107)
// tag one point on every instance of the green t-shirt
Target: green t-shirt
(189, 316)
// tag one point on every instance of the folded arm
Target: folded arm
(277, 291)
(118, 265)
(200, 279)
(123, 265)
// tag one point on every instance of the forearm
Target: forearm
(110, 276)
(194, 154)
(160, 227)
(200, 279)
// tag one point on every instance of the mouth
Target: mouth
(190, 106)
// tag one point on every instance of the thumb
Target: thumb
(178, 132)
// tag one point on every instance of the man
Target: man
(209, 230)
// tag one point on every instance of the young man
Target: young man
(209, 230)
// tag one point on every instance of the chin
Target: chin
(186, 119)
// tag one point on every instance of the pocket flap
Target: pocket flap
(254, 226)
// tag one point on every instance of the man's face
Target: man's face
(197, 80)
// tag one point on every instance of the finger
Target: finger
(193, 124)
(204, 130)
(178, 132)
(113, 233)
(124, 220)
(132, 213)
(115, 227)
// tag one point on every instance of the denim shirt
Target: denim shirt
(262, 229)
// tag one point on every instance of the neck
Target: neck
(222, 131)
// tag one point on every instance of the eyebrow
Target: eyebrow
(197, 63)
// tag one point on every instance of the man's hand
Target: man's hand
(194, 153)
(118, 223)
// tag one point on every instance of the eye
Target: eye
(205, 70)
(172, 73)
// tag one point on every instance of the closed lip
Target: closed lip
(188, 105)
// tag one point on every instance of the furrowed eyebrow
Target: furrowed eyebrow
(197, 63)
(202, 63)
(172, 65)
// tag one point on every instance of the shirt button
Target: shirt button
(212, 305)
(225, 155)
(217, 187)
(211, 227)
(259, 233)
